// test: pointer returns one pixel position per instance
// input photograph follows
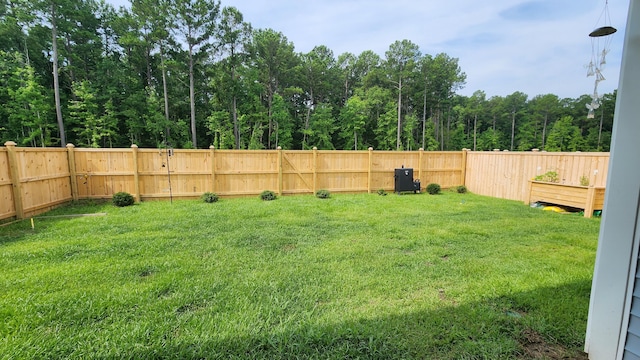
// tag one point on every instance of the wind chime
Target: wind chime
(600, 42)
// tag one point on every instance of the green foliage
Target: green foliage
(147, 76)
(433, 189)
(27, 103)
(268, 195)
(209, 197)
(461, 189)
(84, 113)
(584, 180)
(353, 116)
(323, 194)
(321, 128)
(549, 176)
(221, 129)
(122, 199)
(565, 136)
(382, 192)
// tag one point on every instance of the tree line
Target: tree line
(193, 73)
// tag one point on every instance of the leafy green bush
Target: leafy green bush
(323, 194)
(122, 198)
(382, 192)
(461, 189)
(433, 189)
(584, 180)
(209, 197)
(549, 176)
(268, 195)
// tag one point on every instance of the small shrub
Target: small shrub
(433, 189)
(268, 195)
(122, 198)
(461, 189)
(382, 192)
(209, 197)
(584, 180)
(549, 176)
(323, 194)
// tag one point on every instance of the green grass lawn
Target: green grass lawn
(453, 276)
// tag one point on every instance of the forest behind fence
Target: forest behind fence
(34, 180)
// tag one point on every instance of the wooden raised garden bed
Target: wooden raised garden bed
(589, 198)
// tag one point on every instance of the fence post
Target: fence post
(15, 179)
(370, 170)
(71, 158)
(136, 177)
(213, 168)
(315, 169)
(464, 166)
(280, 170)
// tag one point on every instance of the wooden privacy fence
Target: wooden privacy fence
(33, 180)
(506, 175)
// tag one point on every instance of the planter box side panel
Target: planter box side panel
(559, 194)
(598, 204)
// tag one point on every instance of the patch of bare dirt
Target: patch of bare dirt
(535, 347)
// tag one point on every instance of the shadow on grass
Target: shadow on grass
(545, 323)
(17, 230)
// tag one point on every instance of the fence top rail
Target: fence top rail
(37, 149)
(566, 185)
(183, 151)
(418, 152)
(538, 153)
(271, 151)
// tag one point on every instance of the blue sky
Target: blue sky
(536, 47)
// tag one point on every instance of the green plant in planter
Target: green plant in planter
(209, 197)
(122, 198)
(584, 180)
(268, 195)
(323, 194)
(434, 189)
(549, 176)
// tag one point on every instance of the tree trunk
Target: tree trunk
(164, 85)
(513, 127)
(56, 83)
(399, 112)
(475, 129)
(544, 129)
(236, 129)
(147, 56)
(441, 131)
(270, 116)
(600, 130)
(424, 113)
(346, 91)
(448, 128)
(192, 98)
